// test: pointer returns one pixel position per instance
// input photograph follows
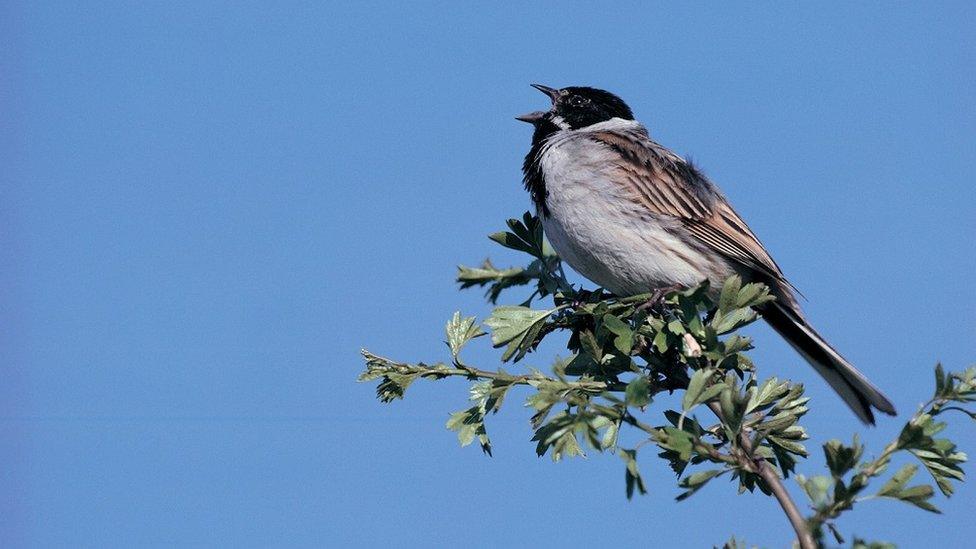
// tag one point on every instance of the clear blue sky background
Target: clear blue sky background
(208, 210)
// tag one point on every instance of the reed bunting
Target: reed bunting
(633, 216)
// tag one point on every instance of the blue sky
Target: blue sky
(207, 211)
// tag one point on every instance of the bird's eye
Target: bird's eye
(578, 101)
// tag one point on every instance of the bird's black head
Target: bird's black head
(577, 107)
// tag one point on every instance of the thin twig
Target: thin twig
(463, 370)
(761, 468)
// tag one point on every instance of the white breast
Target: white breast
(602, 233)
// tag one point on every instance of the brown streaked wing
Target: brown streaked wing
(726, 232)
(651, 177)
(652, 174)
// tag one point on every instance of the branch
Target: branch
(938, 456)
(749, 462)
(378, 366)
(645, 344)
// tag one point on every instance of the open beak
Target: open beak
(553, 93)
(536, 116)
(531, 117)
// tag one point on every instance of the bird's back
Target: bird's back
(600, 227)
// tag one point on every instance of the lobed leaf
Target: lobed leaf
(460, 331)
(516, 327)
(632, 473)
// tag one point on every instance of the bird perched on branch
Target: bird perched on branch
(633, 216)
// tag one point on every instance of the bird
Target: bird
(633, 216)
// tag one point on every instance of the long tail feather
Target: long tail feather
(859, 393)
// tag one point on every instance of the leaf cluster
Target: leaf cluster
(850, 474)
(626, 350)
(544, 271)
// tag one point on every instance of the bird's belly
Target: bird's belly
(610, 241)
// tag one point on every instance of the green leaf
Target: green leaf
(523, 345)
(460, 331)
(517, 327)
(919, 496)
(496, 279)
(590, 345)
(676, 327)
(510, 322)
(711, 392)
(753, 294)
(942, 461)
(898, 481)
(542, 402)
(638, 392)
(940, 380)
(616, 325)
(548, 434)
(393, 385)
(632, 474)
(490, 394)
(696, 481)
(913, 436)
(513, 241)
(766, 394)
(816, 488)
(678, 441)
(730, 293)
(395, 377)
(526, 236)
(486, 273)
(840, 458)
(624, 341)
(737, 343)
(748, 294)
(581, 364)
(661, 341)
(696, 392)
(919, 491)
(470, 424)
(861, 544)
(781, 421)
(784, 457)
(724, 323)
(688, 423)
(788, 445)
(731, 411)
(566, 446)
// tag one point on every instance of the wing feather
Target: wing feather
(667, 185)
